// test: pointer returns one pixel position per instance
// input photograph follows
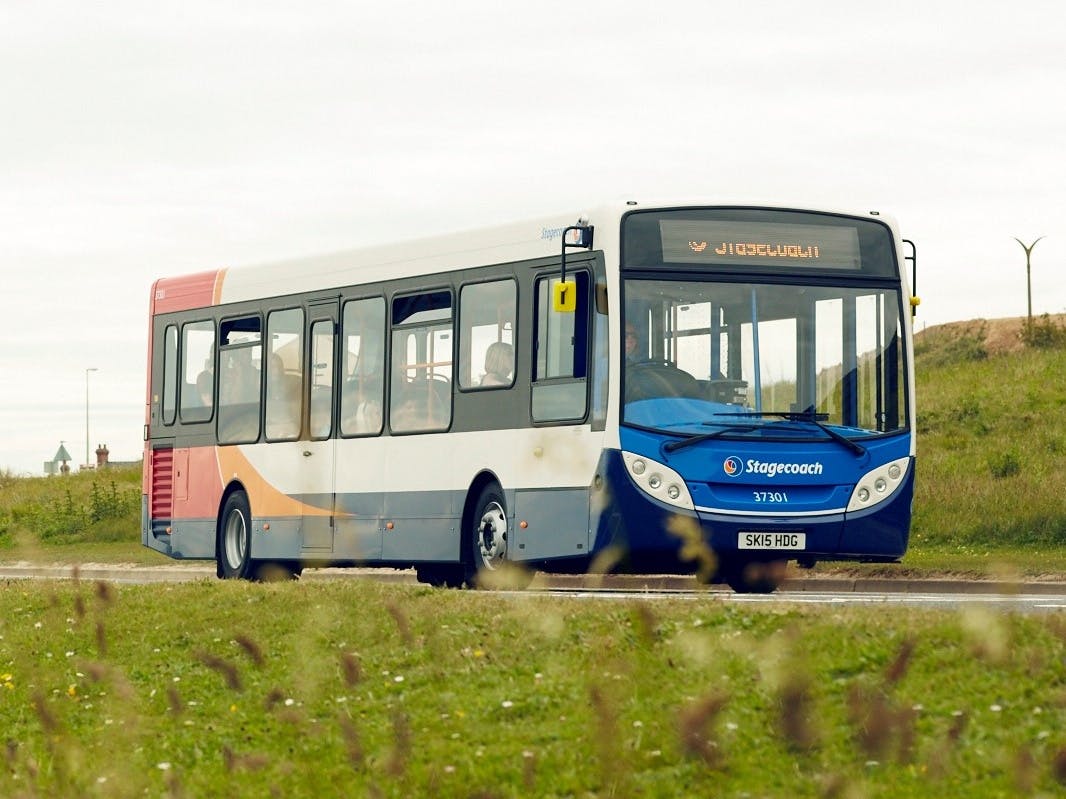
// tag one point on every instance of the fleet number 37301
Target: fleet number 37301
(770, 496)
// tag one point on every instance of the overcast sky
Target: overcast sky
(139, 140)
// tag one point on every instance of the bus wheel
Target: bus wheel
(750, 577)
(446, 576)
(490, 544)
(235, 539)
(490, 530)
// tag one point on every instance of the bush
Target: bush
(1004, 464)
(1043, 334)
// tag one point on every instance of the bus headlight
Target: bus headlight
(657, 480)
(878, 485)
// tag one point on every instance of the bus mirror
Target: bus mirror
(579, 235)
(601, 298)
(564, 296)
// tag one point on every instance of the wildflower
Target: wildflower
(72, 691)
(996, 708)
(398, 678)
(507, 703)
(164, 766)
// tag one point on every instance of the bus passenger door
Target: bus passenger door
(318, 453)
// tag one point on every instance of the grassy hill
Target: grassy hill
(991, 435)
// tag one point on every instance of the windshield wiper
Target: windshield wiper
(673, 446)
(810, 417)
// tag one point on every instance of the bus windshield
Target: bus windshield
(742, 359)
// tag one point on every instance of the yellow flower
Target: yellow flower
(72, 691)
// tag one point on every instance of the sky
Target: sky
(142, 140)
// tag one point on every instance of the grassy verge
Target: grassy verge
(216, 688)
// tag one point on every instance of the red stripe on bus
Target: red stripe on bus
(191, 291)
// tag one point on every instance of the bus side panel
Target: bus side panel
(557, 524)
(424, 526)
(197, 489)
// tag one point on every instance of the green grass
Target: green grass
(366, 689)
(991, 445)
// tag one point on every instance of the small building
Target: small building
(59, 463)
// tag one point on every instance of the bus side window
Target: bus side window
(421, 397)
(170, 374)
(197, 371)
(284, 376)
(561, 364)
(239, 380)
(486, 335)
(363, 390)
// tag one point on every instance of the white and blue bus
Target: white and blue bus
(652, 388)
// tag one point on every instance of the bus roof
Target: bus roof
(518, 241)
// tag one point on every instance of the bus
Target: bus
(653, 388)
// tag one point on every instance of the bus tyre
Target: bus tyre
(235, 539)
(750, 576)
(449, 575)
(489, 539)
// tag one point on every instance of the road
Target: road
(1024, 597)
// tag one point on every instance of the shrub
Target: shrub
(1043, 334)
(1004, 464)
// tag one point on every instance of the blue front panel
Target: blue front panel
(758, 486)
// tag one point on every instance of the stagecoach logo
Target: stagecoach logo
(734, 466)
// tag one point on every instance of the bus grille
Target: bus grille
(162, 490)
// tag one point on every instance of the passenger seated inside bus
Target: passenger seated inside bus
(419, 406)
(283, 409)
(361, 406)
(499, 364)
(205, 388)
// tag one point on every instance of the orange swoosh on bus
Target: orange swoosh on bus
(264, 498)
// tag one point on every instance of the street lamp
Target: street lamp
(1028, 282)
(90, 369)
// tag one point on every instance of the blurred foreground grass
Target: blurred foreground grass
(364, 689)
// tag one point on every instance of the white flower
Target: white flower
(507, 703)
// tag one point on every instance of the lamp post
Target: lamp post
(90, 369)
(1028, 281)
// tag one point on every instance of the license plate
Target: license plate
(772, 541)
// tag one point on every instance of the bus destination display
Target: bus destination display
(759, 244)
